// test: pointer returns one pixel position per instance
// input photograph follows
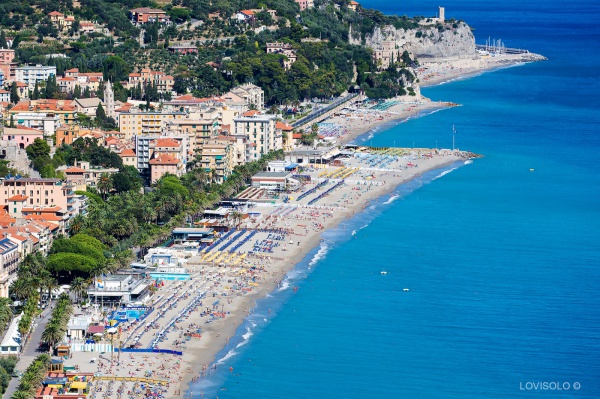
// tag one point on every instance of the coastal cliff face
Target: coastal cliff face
(427, 41)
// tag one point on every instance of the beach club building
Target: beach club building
(118, 289)
(275, 181)
(191, 234)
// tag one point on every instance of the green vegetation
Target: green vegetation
(88, 149)
(29, 312)
(5, 170)
(39, 154)
(57, 326)
(79, 255)
(32, 377)
(6, 313)
(7, 367)
(322, 69)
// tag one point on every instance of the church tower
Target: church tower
(109, 100)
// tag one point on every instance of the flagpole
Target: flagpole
(453, 136)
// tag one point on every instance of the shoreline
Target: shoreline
(199, 355)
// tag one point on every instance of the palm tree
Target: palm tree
(77, 224)
(78, 287)
(22, 288)
(104, 184)
(6, 313)
(24, 391)
(22, 394)
(50, 284)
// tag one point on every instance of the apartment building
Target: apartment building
(85, 80)
(218, 157)
(164, 83)
(9, 260)
(31, 74)
(44, 199)
(163, 164)
(260, 132)
(7, 66)
(137, 123)
(64, 109)
(252, 95)
(197, 131)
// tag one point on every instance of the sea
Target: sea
(493, 266)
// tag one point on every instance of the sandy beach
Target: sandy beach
(199, 316)
(207, 309)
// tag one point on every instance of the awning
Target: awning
(79, 385)
(95, 329)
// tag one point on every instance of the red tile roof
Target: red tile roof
(74, 169)
(250, 113)
(166, 143)
(284, 126)
(49, 218)
(164, 159)
(128, 152)
(18, 197)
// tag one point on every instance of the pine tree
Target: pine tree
(86, 92)
(51, 88)
(36, 92)
(14, 95)
(166, 41)
(12, 121)
(3, 42)
(77, 92)
(100, 114)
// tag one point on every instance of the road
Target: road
(30, 352)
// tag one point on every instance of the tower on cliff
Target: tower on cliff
(441, 14)
(109, 100)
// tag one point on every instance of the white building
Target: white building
(34, 73)
(260, 132)
(9, 260)
(4, 95)
(48, 123)
(252, 94)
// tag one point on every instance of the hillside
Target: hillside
(323, 59)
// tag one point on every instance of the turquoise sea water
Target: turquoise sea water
(502, 264)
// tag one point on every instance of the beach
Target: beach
(207, 309)
(199, 316)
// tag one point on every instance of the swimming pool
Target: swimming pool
(127, 314)
(169, 276)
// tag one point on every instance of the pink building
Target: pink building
(304, 4)
(23, 136)
(7, 66)
(42, 200)
(163, 164)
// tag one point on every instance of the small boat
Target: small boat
(383, 273)
(405, 289)
(531, 169)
